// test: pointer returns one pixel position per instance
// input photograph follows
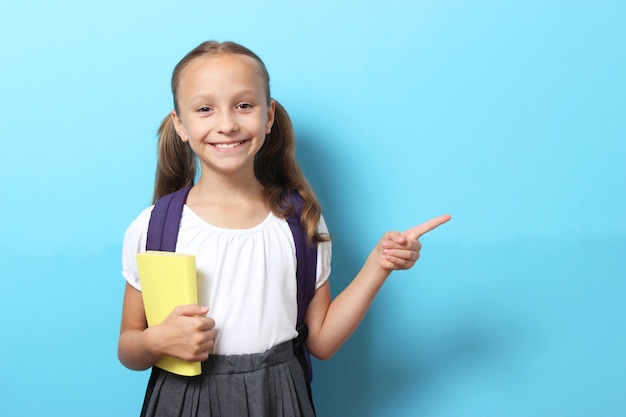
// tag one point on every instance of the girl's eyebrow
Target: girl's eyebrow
(239, 94)
(246, 93)
(201, 97)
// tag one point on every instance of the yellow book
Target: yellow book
(168, 279)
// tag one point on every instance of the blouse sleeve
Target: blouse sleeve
(134, 243)
(324, 256)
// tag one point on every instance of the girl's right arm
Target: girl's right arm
(186, 333)
(331, 322)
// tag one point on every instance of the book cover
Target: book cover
(168, 279)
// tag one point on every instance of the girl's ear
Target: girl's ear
(271, 111)
(178, 126)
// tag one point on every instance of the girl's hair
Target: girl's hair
(275, 165)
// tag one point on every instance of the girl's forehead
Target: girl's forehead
(225, 64)
(224, 73)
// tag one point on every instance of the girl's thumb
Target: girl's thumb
(194, 310)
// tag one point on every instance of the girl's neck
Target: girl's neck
(227, 187)
(229, 203)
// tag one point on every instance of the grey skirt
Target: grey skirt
(268, 384)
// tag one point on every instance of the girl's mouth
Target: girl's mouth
(227, 146)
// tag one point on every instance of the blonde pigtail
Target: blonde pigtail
(176, 162)
(278, 170)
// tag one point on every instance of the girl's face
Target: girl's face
(223, 112)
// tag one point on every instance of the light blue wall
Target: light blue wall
(509, 115)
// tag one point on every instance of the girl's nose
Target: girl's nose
(227, 122)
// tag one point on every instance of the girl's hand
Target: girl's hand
(332, 321)
(186, 334)
(400, 251)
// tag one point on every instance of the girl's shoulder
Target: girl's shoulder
(142, 219)
(134, 243)
(137, 231)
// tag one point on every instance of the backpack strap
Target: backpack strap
(163, 235)
(306, 274)
(306, 255)
(165, 221)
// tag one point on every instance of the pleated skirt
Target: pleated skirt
(268, 384)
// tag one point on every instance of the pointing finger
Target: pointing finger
(418, 231)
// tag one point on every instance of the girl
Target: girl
(234, 222)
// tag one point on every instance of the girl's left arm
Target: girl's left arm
(331, 323)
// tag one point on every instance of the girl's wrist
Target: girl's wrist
(374, 265)
(148, 338)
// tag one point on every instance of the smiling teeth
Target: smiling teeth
(227, 145)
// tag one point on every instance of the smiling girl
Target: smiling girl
(234, 221)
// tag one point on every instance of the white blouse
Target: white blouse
(247, 277)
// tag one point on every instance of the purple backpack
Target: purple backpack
(163, 235)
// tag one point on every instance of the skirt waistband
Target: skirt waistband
(236, 364)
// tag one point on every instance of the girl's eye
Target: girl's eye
(244, 106)
(204, 109)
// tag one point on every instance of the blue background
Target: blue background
(511, 116)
